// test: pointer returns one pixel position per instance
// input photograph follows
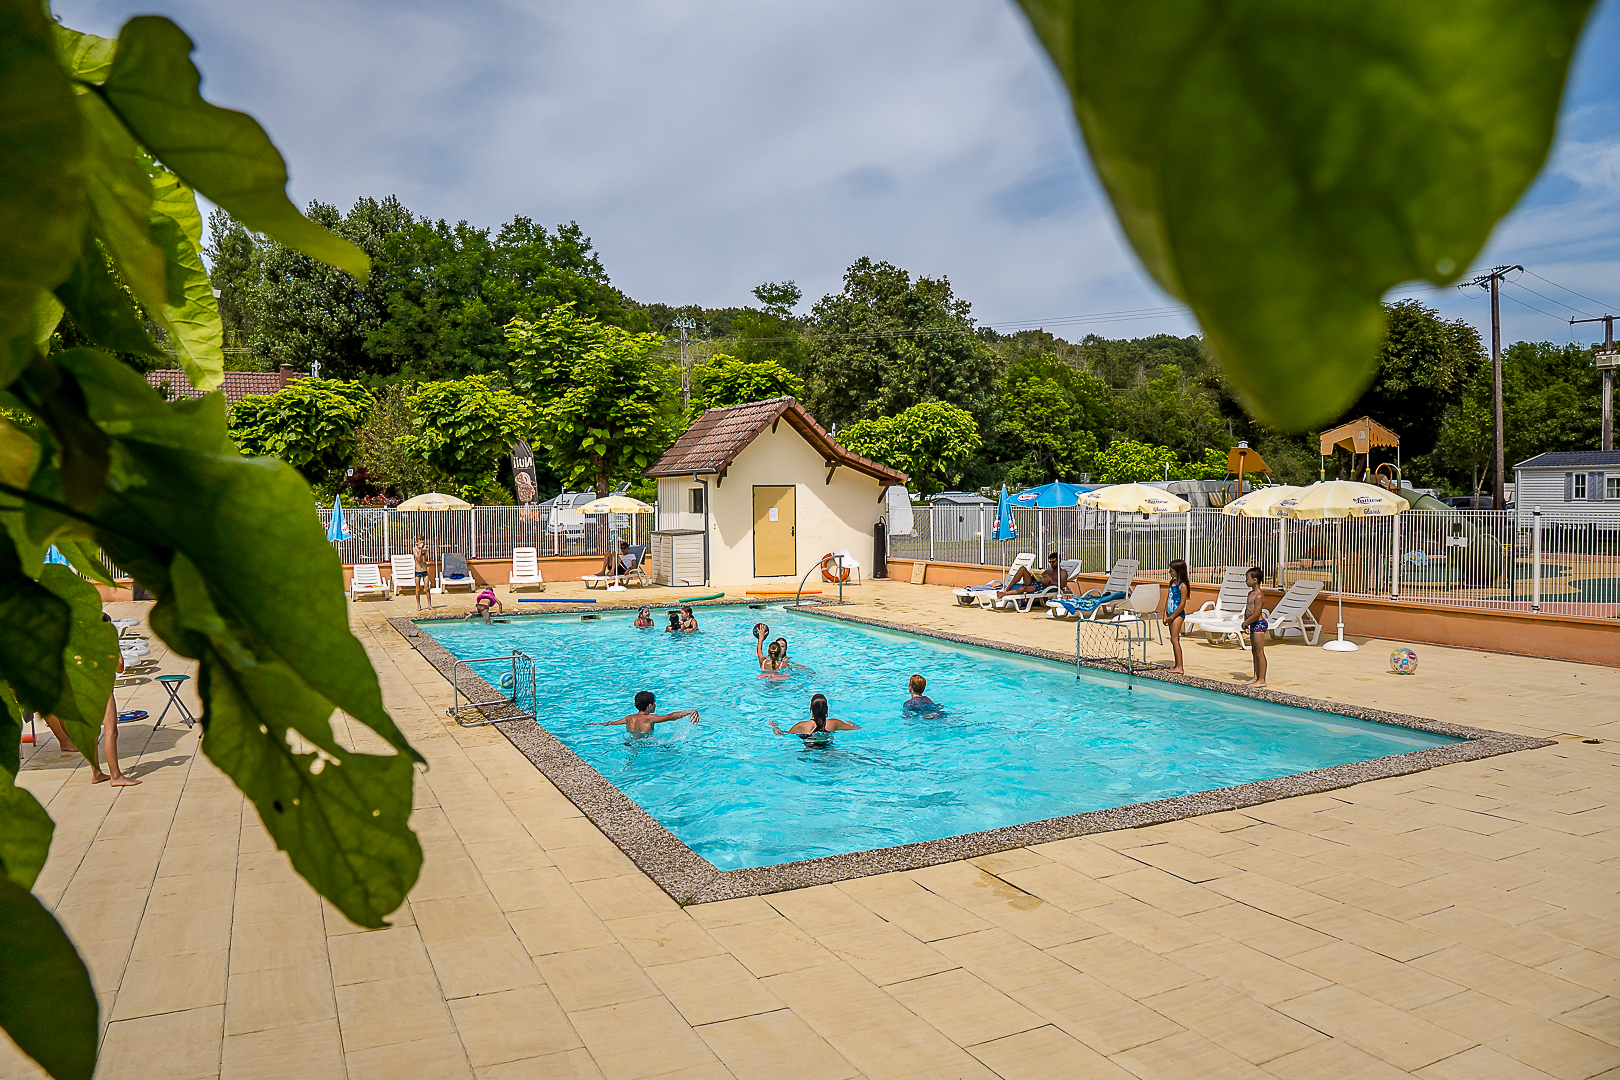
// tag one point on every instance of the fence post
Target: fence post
(1108, 544)
(1282, 552)
(1186, 547)
(933, 522)
(981, 534)
(1040, 538)
(387, 553)
(1535, 560)
(1395, 558)
(472, 532)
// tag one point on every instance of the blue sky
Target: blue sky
(707, 147)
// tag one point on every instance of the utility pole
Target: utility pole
(1606, 361)
(1491, 280)
(683, 324)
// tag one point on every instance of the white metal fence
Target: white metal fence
(1554, 563)
(482, 532)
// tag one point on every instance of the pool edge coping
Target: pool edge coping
(689, 878)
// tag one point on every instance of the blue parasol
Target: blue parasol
(339, 529)
(1051, 496)
(1005, 529)
(54, 556)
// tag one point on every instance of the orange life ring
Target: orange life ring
(831, 571)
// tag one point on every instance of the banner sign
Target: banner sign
(524, 479)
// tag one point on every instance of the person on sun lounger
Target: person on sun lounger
(642, 720)
(1025, 582)
(623, 564)
(486, 600)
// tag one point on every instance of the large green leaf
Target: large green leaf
(121, 201)
(46, 1003)
(1280, 165)
(191, 312)
(86, 56)
(221, 153)
(82, 448)
(90, 658)
(25, 828)
(42, 195)
(33, 632)
(10, 733)
(99, 306)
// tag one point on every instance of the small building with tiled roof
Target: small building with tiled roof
(173, 384)
(770, 492)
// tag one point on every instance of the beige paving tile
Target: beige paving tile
(563, 927)
(625, 896)
(1601, 1019)
(1099, 1016)
(515, 890)
(568, 1065)
(1480, 1063)
(666, 937)
(459, 918)
(1125, 966)
(1261, 930)
(1012, 859)
(1594, 970)
(1037, 922)
(924, 915)
(1045, 1054)
(1523, 1036)
(482, 966)
(1064, 886)
(1400, 1038)
(1404, 986)
(774, 1044)
(1186, 1054)
(1335, 1059)
(180, 1045)
(885, 953)
(1481, 931)
(389, 1011)
(1230, 1020)
(1248, 971)
(186, 892)
(278, 997)
(1151, 927)
(1174, 859)
(259, 946)
(1373, 895)
(913, 1050)
(393, 953)
(641, 1038)
(440, 1057)
(1506, 981)
(1003, 960)
(732, 912)
(189, 981)
(1087, 856)
(770, 948)
(1396, 940)
(593, 978)
(590, 863)
(512, 1025)
(275, 903)
(1270, 895)
(311, 1051)
(963, 1007)
(838, 1000)
(201, 930)
(712, 988)
(827, 908)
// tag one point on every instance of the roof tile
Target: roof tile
(713, 442)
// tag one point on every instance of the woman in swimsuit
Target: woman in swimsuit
(1175, 608)
(819, 724)
(688, 620)
(774, 659)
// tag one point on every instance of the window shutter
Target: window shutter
(1569, 487)
(1594, 487)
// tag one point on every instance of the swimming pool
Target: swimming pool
(1017, 739)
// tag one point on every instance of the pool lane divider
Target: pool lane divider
(695, 599)
(554, 600)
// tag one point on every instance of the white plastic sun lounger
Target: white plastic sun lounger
(1119, 581)
(1223, 616)
(1024, 602)
(525, 571)
(968, 596)
(404, 571)
(367, 581)
(1292, 615)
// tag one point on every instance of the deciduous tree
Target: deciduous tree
(930, 442)
(311, 424)
(463, 427)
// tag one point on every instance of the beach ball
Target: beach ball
(1403, 661)
(507, 682)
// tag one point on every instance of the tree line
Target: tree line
(465, 339)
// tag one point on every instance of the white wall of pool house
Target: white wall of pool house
(829, 515)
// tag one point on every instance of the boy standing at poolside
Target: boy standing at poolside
(1254, 621)
(424, 564)
(642, 720)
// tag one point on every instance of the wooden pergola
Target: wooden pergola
(1358, 437)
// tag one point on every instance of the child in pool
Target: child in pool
(917, 700)
(688, 620)
(772, 660)
(819, 723)
(486, 600)
(674, 626)
(642, 720)
(644, 619)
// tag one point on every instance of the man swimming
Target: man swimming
(642, 720)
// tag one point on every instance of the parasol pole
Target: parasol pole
(1339, 645)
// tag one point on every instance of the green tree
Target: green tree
(613, 415)
(1550, 396)
(105, 143)
(726, 380)
(886, 343)
(1126, 461)
(463, 427)
(772, 335)
(930, 442)
(1466, 436)
(381, 447)
(311, 424)
(1174, 410)
(1051, 414)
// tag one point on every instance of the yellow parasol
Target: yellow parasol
(1134, 499)
(1335, 500)
(434, 500)
(1260, 502)
(616, 504)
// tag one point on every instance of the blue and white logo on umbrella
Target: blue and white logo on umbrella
(339, 529)
(1005, 529)
(1051, 496)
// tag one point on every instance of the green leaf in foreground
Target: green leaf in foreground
(86, 56)
(25, 829)
(90, 658)
(1280, 166)
(191, 313)
(42, 204)
(121, 202)
(33, 632)
(46, 1003)
(221, 153)
(99, 306)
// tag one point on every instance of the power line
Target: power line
(1532, 307)
(1571, 291)
(1544, 296)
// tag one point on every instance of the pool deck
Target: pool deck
(1461, 923)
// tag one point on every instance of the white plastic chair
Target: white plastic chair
(525, 570)
(1143, 605)
(848, 562)
(404, 571)
(1119, 581)
(367, 581)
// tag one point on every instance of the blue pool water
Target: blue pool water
(1019, 739)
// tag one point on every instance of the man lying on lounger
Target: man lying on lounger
(620, 566)
(1025, 582)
